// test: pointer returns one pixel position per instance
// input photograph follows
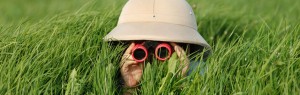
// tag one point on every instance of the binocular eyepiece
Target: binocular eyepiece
(162, 52)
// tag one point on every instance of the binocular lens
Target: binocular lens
(139, 54)
(163, 52)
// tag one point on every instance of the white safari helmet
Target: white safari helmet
(158, 20)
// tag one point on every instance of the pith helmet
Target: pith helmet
(158, 20)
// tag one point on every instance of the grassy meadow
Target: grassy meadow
(56, 47)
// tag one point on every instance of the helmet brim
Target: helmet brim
(156, 31)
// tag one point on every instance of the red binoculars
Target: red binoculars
(161, 50)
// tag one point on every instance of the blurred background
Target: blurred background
(33, 10)
(224, 15)
(14, 11)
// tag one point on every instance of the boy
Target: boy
(171, 21)
(131, 70)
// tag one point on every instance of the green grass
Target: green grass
(56, 47)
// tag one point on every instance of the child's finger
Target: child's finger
(179, 51)
(127, 63)
(184, 70)
(182, 57)
(128, 51)
(130, 58)
(126, 58)
(173, 44)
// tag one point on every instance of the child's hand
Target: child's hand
(182, 57)
(131, 70)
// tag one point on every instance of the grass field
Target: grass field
(56, 47)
